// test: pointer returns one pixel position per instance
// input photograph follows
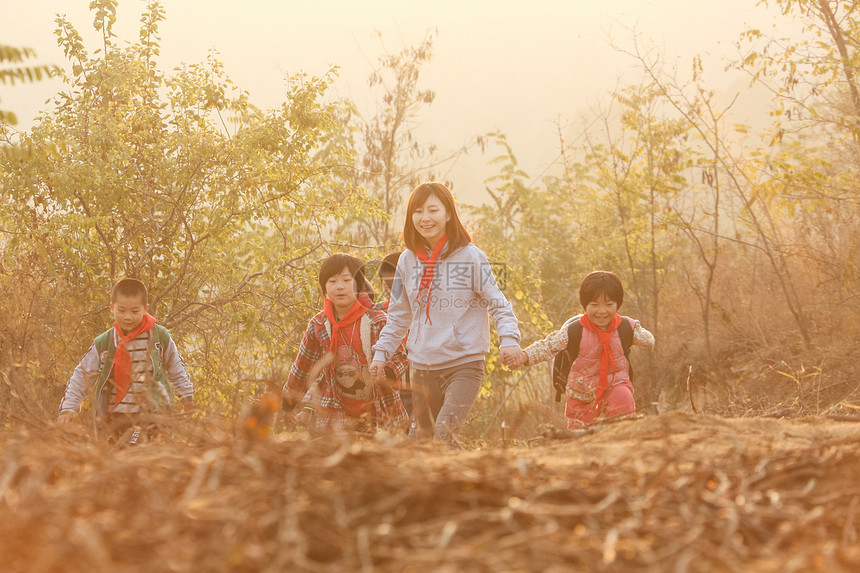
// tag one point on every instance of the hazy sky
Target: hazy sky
(509, 65)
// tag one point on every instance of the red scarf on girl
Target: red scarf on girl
(353, 314)
(121, 364)
(429, 269)
(606, 359)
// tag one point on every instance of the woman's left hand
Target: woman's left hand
(512, 356)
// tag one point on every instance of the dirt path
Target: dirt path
(676, 492)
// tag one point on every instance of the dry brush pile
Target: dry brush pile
(673, 492)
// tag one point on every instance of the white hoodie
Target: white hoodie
(464, 292)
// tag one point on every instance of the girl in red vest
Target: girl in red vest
(599, 379)
(330, 376)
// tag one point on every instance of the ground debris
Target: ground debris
(678, 491)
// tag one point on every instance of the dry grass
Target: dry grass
(672, 492)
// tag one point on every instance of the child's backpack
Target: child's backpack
(564, 359)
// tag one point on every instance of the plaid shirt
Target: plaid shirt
(323, 394)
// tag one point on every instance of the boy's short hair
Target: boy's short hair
(335, 264)
(389, 264)
(598, 283)
(130, 287)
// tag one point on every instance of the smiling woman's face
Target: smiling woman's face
(430, 220)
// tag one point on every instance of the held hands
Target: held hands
(513, 356)
(377, 371)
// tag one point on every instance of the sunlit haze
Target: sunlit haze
(511, 66)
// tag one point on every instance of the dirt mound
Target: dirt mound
(672, 492)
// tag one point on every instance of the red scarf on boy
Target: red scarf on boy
(353, 314)
(121, 364)
(429, 270)
(606, 359)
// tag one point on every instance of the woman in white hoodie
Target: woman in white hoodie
(443, 294)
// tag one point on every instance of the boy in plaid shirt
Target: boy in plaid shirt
(330, 376)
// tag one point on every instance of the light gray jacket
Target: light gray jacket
(464, 293)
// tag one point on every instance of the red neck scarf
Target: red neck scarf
(429, 270)
(606, 359)
(121, 364)
(352, 315)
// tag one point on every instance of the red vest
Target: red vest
(585, 371)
